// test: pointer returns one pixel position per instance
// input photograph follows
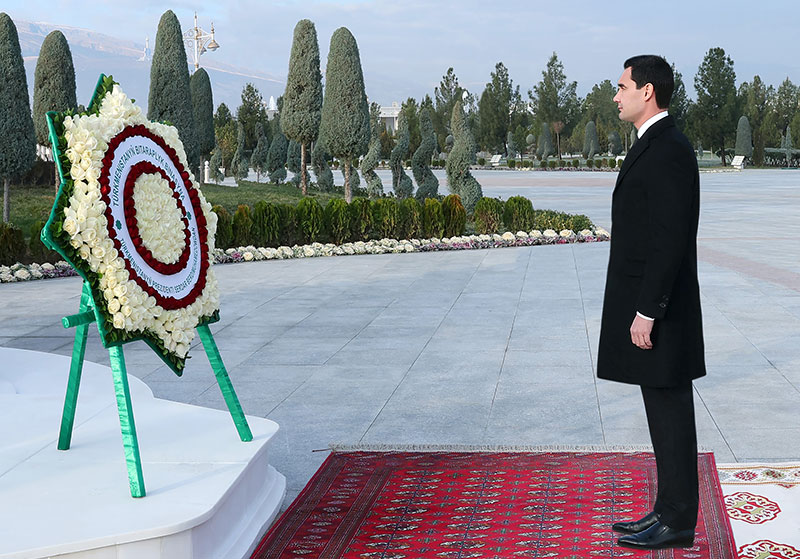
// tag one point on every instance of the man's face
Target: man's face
(630, 101)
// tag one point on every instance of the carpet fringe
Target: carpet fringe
(341, 447)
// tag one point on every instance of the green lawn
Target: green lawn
(29, 204)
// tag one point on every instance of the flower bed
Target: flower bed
(20, 272)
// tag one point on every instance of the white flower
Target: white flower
(550, 233)
(248, 256)
(508, 236)
(567, 233)
(601, 232)
(522, 235)
(536, 233)
(586, 232)
(22, 275)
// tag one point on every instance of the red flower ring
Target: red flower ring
(137, 170)
(162, 294)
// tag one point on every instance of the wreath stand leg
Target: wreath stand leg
(224, 382)
(130, 442)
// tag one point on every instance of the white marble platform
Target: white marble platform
(209, 495)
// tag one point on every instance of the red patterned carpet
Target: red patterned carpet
(469, 505)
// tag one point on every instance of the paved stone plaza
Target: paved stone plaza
(488, 346)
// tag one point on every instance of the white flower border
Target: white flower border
(20, 272)
(130, 307)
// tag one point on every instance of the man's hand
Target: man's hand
(640, 332)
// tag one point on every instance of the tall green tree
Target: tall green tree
(203, 109)
(370, 161)
(322, 170)
(250, 112)
(679, 103)
(170, 96)
(427, 183)
(498, 102)
(401, 183)
(554, 100)
(599, 107)
(227, 140)
(715, 84)
(17, 135)
(459, 179)
(756, 101)
(278, 153)
(240, 165)
(591, 143)
(445, 95)
(53, 83)
(302, 101)
(222, 116)
(411, 111)
(787, 98)
(258, 161)
(344, 126)
(744, 140)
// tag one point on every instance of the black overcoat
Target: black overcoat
(652, 265)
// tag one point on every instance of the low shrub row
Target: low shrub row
(517, 214)
(273, 225)
(13, 247)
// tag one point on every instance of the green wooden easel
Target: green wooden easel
(130, 443)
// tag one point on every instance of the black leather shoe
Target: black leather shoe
(635, 526)
(658, 536)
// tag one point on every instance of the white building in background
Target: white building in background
(272, 107)
(389, 116)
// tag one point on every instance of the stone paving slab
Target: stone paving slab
(483, 347)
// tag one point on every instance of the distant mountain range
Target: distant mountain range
(95, 53)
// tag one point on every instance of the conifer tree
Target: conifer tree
(370, 161)
(459, 179)
(355, 180)
(258, 160)
(240, 165)
(322, 170)
(427, 183)
(17, 136)
(276, 159)
(614, 143)
(214, 165)
(545, 143)
(170, 94)
(591, 144)
(744, 138)
(302, 101)
(203, 112)
(293, 158)
(53, 83)
(401, 183)
(344, 125)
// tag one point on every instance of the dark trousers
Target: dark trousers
(670, 417)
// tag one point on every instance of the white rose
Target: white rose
(113, 305)
(119, 320)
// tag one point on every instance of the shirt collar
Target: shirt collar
(649, 122)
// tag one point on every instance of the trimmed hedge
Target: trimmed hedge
(488, 216)
(518, 214)
(432, 218)
(12, 244)
(455, 216)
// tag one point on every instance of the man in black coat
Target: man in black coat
(651, 333)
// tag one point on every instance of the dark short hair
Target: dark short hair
(652, 69)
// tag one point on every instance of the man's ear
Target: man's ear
(649, 91)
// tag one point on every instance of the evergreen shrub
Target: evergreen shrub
(310, 219)
(511, 163)
(455, 216)
(337, 220)
(290, 229)
(551, 164)
(432, 218)
(360, 211)
(242, 226)
(481, 161)
(518, 214)
(12, 244)
(575, 163)
(38, 251)
(385, 217)
(224, 237)
(488, 216)
(266, 224)
(543, 164)
(410, 219)
(590, 163)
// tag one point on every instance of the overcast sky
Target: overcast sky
(407, 46)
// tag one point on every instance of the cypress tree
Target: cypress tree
(239, 165)
(258, 160)
(401, 183)
(302, 101)
(370, 161)
(170, 97)
(614, 143)
(427, 183)
(344, 126)
(293, 159)
(17, 136)
(322, 170)
(203, 112)
(591, 144)
(53, 83)
(276, 159)
(215, 163)
(744, 138)
(459, 180)
(545, 142)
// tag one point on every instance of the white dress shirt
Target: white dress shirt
(639, 133)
